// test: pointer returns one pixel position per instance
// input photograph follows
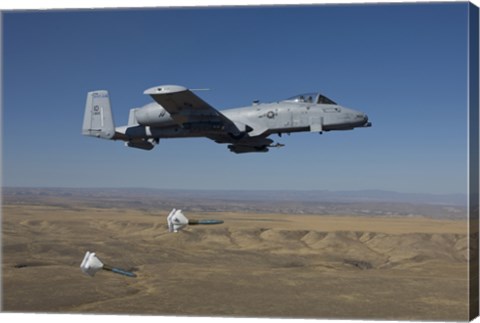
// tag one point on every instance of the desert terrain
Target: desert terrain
(253, 265)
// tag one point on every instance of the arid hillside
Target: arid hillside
(261, 265)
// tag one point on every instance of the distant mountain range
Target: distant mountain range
(322, 202)
(263, 195)
(325, 196)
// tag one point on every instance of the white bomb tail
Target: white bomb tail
(176, 221)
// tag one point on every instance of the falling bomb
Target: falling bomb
(91, 264)
(177, 221)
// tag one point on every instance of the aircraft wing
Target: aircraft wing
(188, 110)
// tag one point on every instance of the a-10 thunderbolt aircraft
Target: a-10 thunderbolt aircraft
(178, 113)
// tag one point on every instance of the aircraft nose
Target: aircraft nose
(362, 120)
(361, 117)
(366, 123)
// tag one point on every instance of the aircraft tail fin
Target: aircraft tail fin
(98, 118)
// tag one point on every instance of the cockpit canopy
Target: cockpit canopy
(311, 98)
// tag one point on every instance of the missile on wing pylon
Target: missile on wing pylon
(177, 221)
(91, 264)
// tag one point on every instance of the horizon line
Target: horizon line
(231, 189)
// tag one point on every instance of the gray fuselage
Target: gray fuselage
(264, 119)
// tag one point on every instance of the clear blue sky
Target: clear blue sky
(405, 65)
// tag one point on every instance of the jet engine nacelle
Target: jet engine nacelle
(153, 115)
